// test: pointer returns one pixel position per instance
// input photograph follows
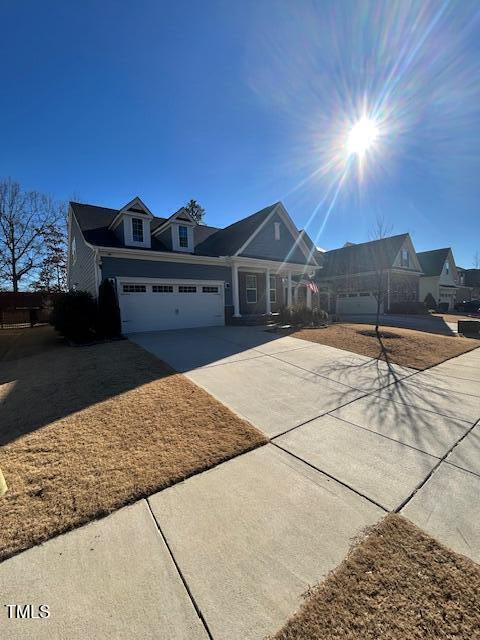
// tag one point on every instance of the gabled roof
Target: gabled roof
(363, 257)
(95, 223)
(226, 242)
(432, 261)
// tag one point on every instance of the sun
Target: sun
(362, 136)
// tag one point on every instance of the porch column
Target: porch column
(289, 289)
(268, 304)
(236, 301)
(309, 298)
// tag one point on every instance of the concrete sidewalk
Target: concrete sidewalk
(228, 553)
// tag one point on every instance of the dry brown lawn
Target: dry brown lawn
(86, 430)
(397, 584)
(415, 349)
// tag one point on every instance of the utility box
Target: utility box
(469, 328)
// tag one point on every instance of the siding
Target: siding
(132, 268)
(265, 246)
(82, 273)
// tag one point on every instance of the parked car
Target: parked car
(470, 306)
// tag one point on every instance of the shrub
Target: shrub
(301, 316)
(109, 325)
(430, 301)
(74, 315)
(408, 307)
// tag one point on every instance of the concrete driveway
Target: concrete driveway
(274, 382)
(229, 552)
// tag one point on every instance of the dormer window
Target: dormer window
(137, 230)
(447, 267)
(183, 236)
(405, 258)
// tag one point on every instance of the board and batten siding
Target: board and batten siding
(81, 275)
(264, 245)
(132, 268)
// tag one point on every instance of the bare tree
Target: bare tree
(25, 219)
(379, 231)
(195, 210)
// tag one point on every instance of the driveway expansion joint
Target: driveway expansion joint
(179, 571)
(328, 475)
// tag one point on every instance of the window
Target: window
(210, 289)
(276, 226)
(273, 288)
(342, 295)
(134, 288)
(162, 288)
(352, 295)
(183, 236)
(405, 258)
(364, 294)
(251, 287)
(137, 230)
(447, 267)
(187, 289)
(74, 251)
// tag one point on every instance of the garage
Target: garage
(359, 302)
(153, 305)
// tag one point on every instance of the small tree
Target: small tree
(109, 324)
(430, 301)
(380, 231)
(53, 272)
(195, 210)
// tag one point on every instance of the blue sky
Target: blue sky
(240, 104)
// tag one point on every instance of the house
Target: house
(170, 272)
(464, 292)
(440, 277)
(354, 276)
(472, 281)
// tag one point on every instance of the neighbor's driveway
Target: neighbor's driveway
(430, 323)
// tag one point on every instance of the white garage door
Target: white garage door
(170, 304)
(351, 303)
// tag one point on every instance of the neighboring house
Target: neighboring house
(172, 273)
(353, 277)
(472, 281)
(464, 293)
(440, 277)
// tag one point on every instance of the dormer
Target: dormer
(177, 232)
(132, 224)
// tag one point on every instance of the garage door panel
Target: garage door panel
(356, 303)
(170, 305)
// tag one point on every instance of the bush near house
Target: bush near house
(75, 316)
(302, 316)
(109, 324)
(430, 301)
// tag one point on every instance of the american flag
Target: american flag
(310, 284)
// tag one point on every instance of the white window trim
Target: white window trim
(142, 228)
(272, 289)
(247, 289)
(176, 237)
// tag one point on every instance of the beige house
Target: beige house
(440, 276)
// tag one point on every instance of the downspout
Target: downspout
(388, 291)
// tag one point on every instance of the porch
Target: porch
(258, 292)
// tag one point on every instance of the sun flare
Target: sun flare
(362, 136)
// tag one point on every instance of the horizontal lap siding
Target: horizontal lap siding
(82, 273)
(132, 268)
(266, 247)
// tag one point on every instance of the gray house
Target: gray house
(172, 273)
